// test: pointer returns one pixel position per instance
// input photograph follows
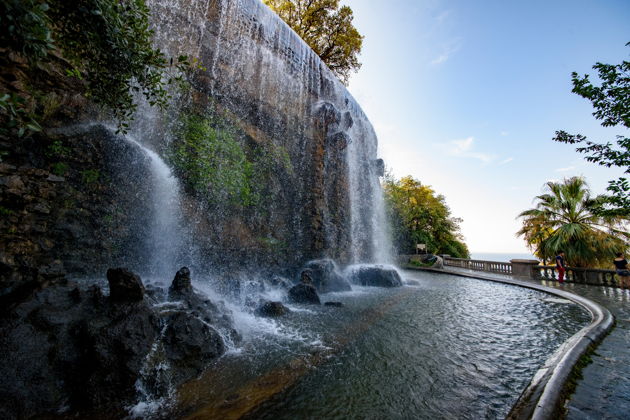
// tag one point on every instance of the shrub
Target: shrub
(212, 162)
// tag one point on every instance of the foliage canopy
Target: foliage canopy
(565, 218)
(327, 29)
(108, 43)
(611, 101)
(418, 215)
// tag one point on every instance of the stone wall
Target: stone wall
(72, 201)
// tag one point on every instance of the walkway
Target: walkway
(604, 390)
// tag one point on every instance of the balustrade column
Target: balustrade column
(525, 268)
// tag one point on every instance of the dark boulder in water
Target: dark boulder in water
(272, 309)
(199, 305)
(124, 285)
(306, 276)
(190, 345)
(335, 304)
(376, 275)
(325, 277)
(304, 293)
(181, 285)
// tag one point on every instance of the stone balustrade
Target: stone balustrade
(590, 276)
(529, 269)
(480, 265)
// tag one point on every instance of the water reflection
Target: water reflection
(449, 347)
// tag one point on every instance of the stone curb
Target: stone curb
(543, 398)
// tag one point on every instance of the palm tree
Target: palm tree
(563, 219)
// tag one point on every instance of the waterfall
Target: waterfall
(255, 67)
(164, 237)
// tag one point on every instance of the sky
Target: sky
(466, 96)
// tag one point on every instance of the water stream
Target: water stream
(164, 238)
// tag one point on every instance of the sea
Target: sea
(501, 256)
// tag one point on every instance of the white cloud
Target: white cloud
(440, 59)
(442, 16)
(568, 168)
(504, 133)
(463, 148)
(508, 160)
(447, 51)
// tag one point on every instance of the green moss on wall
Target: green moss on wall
(218, 162)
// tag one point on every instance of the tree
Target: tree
(611, 101)
(418, 215)
(565, 219)
(107, 42)
(327, 29)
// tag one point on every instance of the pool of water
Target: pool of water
(444, 347)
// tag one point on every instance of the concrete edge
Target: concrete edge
(543, 398)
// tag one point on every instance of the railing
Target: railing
(479, 265)
(530, 269)
(578, 275)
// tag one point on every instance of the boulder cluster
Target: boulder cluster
(322, 276)
(75, 349)
(72, 348)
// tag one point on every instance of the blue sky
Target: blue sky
(466, 96)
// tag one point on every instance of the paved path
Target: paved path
(604, 390)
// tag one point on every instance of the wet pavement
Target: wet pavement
(604, 390)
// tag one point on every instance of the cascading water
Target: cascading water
(329, 204)
(254, 66)
(164, 238)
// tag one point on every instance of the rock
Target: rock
(124, 285)
(304, 293)
(379, 167)
(55, 178)
(306, 276)
(42, 208)
(347, 121)
(335, 304)
(190, 345)
(67, 346)
(272, 309)
(181, 283)
(75, 349)
(12, 182)
(200, 306)
(328, 114)
(277, 281)
(52, 272)
(339, 140)
(375, 275)
(6, 168)
(325, 277)
(112, 343)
